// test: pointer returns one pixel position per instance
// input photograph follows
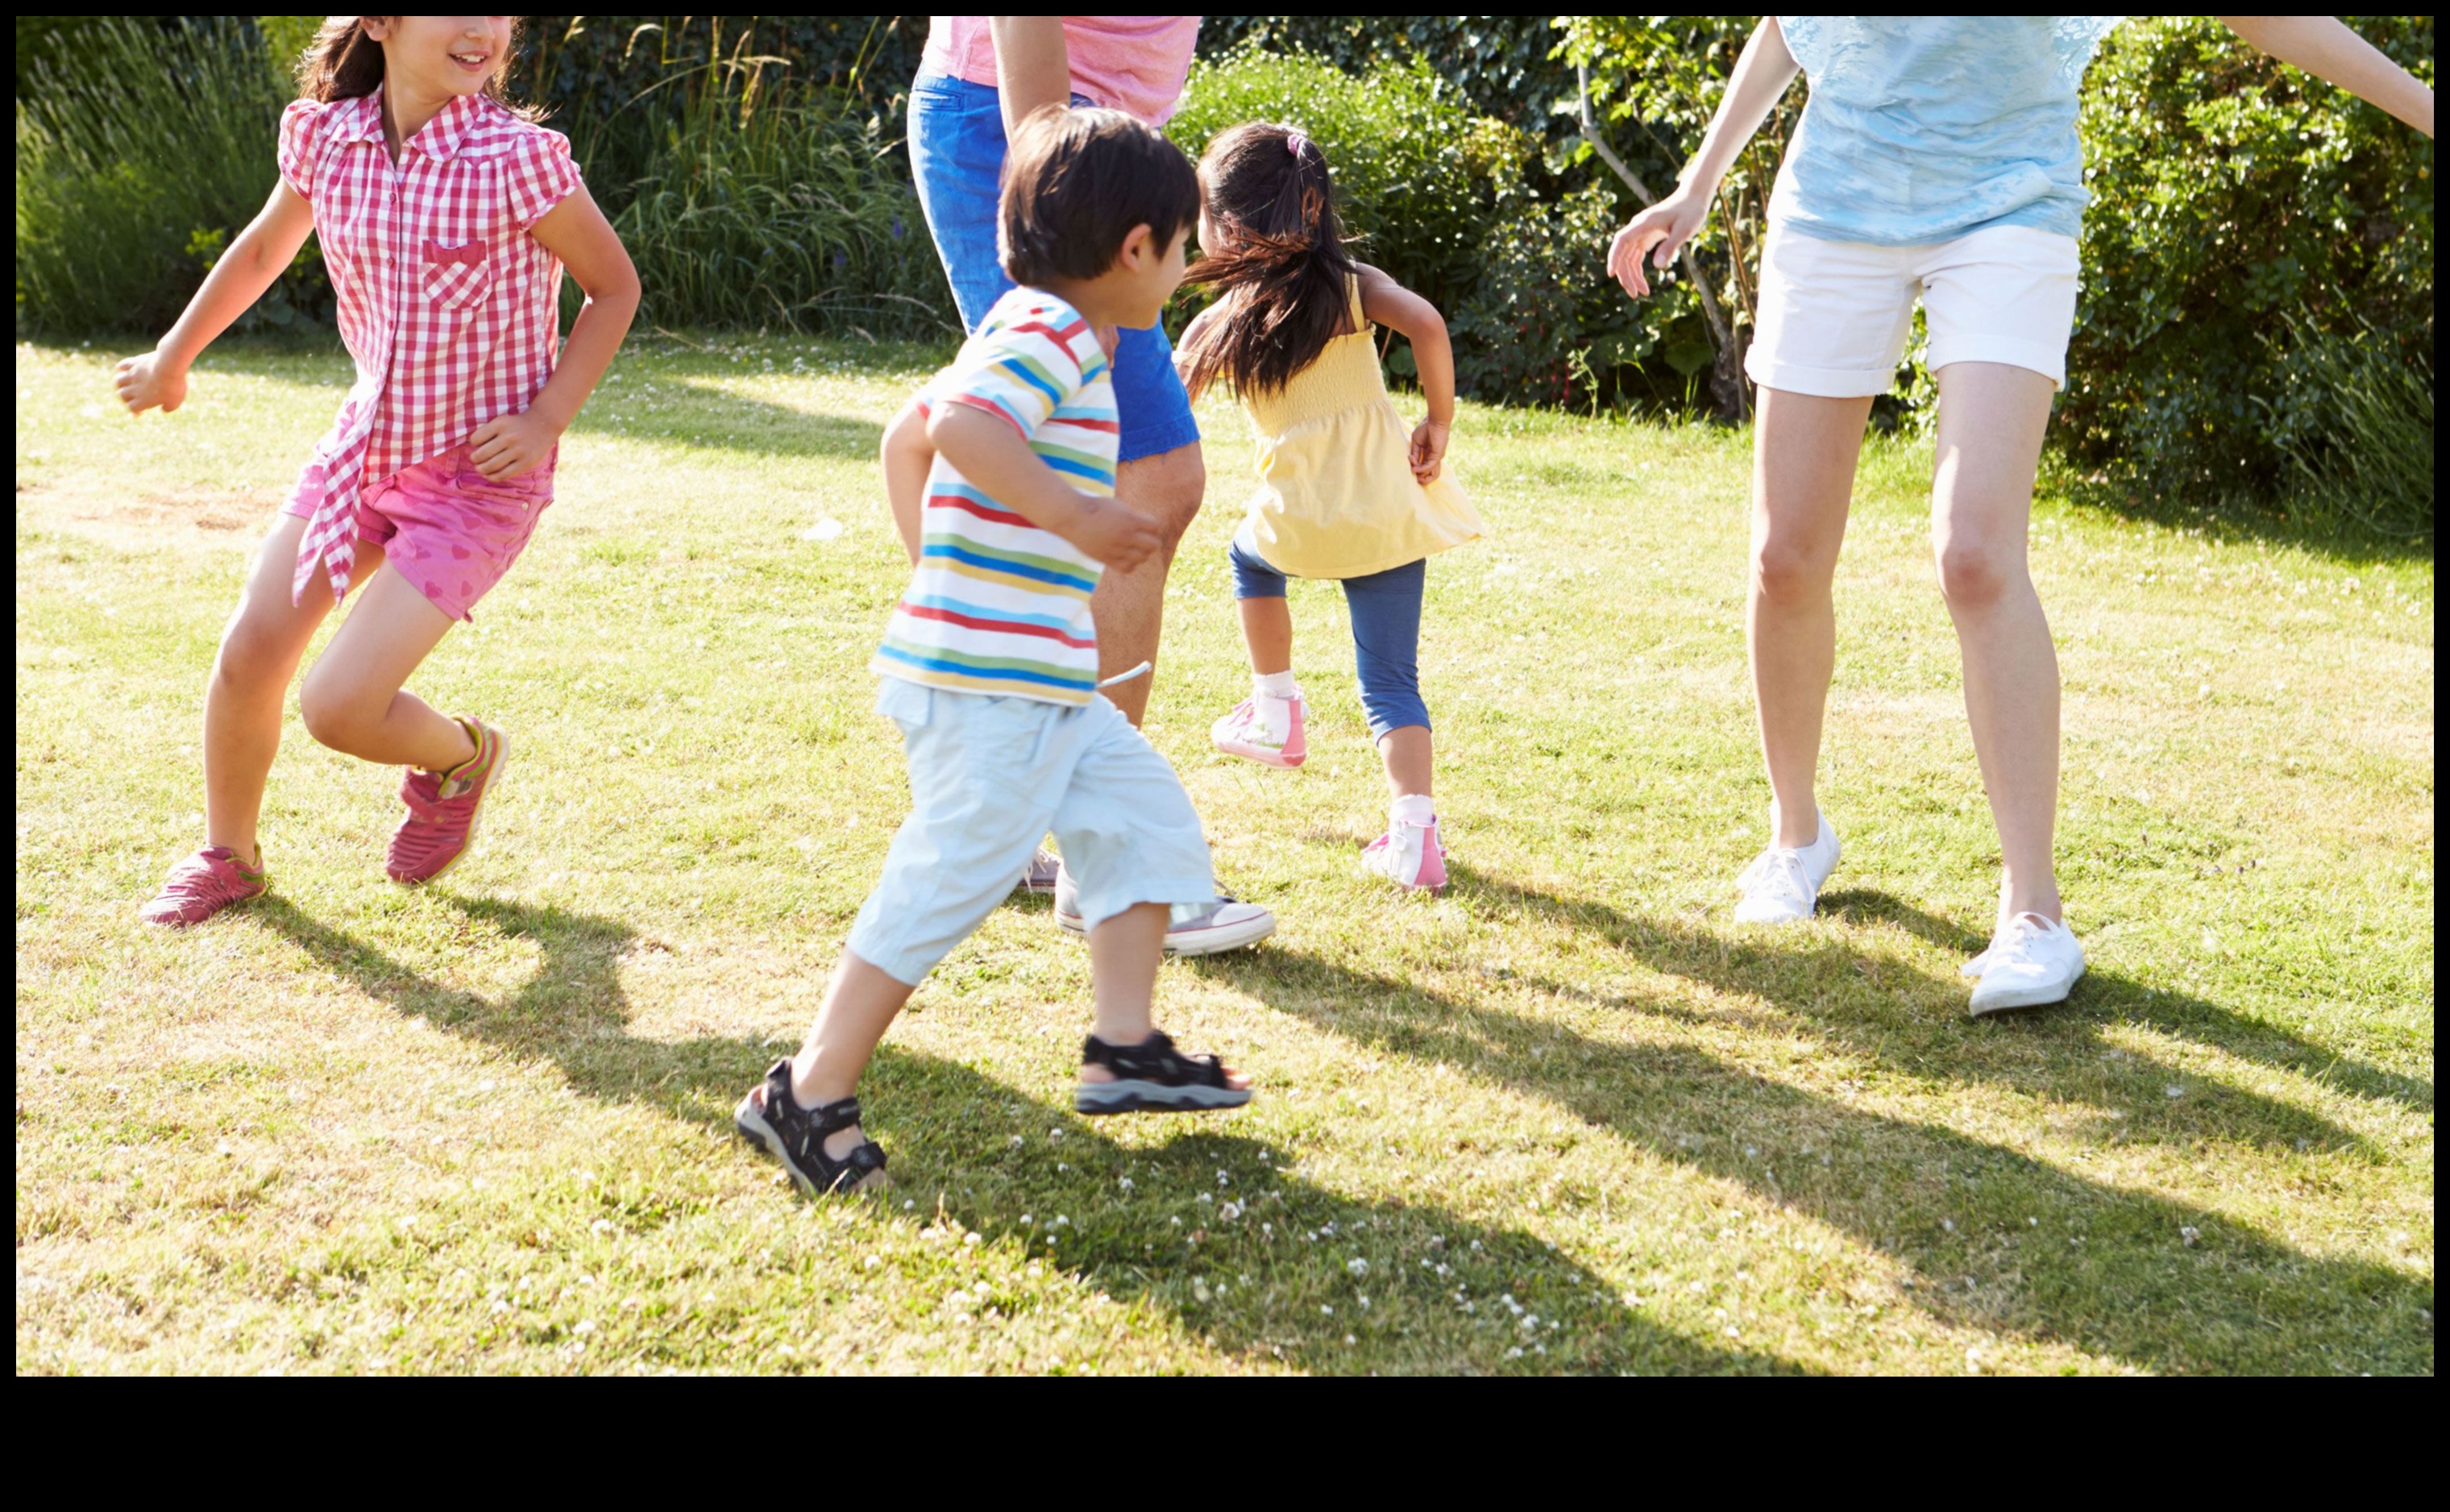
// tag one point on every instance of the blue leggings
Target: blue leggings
(1385, 633)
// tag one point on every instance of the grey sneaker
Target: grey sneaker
(1039, 876)
(1196, 929)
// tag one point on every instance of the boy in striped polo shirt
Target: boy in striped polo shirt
(1002, 477)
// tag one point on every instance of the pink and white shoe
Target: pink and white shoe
(1408, 855)
(1265, 729)
(202, 885)
(441, 822)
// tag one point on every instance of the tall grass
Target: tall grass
(780, 204)
(2370, 467)
(136, 153)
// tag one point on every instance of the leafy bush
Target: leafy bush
(1450, 204)
(1502, 66)
(2257, 240)
(141, 150)
(1418, 179)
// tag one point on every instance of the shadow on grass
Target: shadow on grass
(2290, 519)
(572, 1011)
(2105, 996)
(1997, 1237)
(695, 411)
(976, 1149)
(1277, 1279)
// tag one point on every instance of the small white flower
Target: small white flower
(2173, 1092)
(1224, 1179)
(1356, 1265)
(1515, 1353)
(1349, 1339)
(1325, 1311)
(1949, 1223)
(587, 1326)
(1127, 1183)
(2191, 1236)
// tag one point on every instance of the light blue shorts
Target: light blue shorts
(988, 777)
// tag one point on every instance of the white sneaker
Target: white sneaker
(2032, 962)
(1781, 884)
(1194, 930)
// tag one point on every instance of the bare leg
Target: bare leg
(1123, 956)
(259, 654)
(1130, 607)
(1406, 751)
(1804, 450)
(1991, 422)
(353, 701)
(860, 1005)
(1267, 633)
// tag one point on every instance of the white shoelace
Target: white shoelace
(1780, 873)
(2010, 942)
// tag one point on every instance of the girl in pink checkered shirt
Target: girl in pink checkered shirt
(446, 217)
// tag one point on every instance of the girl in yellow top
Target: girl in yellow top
(1343, 491)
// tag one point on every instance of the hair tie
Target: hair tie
(1294, 141)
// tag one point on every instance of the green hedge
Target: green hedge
(2257, 240)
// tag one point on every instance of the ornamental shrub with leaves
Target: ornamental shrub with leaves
(2247, 222)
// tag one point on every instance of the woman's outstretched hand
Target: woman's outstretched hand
(1660, 232)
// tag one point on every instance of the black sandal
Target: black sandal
(1156, 1078)
(796, 1136)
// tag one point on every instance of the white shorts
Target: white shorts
(1835, 314)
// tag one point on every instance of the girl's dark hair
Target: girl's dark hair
(1283, 280)
(343, 62)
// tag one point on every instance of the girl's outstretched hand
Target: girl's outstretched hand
(150, 383)
(1661, 231)
(508, 445)
(1429, 451)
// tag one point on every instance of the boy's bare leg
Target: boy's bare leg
(1123, 956)
(860, 1005)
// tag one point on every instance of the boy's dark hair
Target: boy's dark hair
(1075, 183)
(1284, 279)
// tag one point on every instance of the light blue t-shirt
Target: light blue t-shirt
(1921, 129)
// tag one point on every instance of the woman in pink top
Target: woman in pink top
(446, 220)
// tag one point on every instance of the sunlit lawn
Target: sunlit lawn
(1566, 1117)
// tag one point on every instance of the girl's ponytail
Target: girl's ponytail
(1286, 278)
(340, 63)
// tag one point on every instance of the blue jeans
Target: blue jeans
(957, 157)
(1386, 632)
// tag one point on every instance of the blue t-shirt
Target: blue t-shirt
(1921, 129)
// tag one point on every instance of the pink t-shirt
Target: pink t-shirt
(1132, 64)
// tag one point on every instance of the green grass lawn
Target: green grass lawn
(1566, 1117)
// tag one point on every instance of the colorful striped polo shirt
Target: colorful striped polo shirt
(997, 605)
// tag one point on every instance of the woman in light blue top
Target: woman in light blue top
(1936, 157)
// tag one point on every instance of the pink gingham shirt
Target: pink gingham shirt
(450, 308)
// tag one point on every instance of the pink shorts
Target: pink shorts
(450, 531)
